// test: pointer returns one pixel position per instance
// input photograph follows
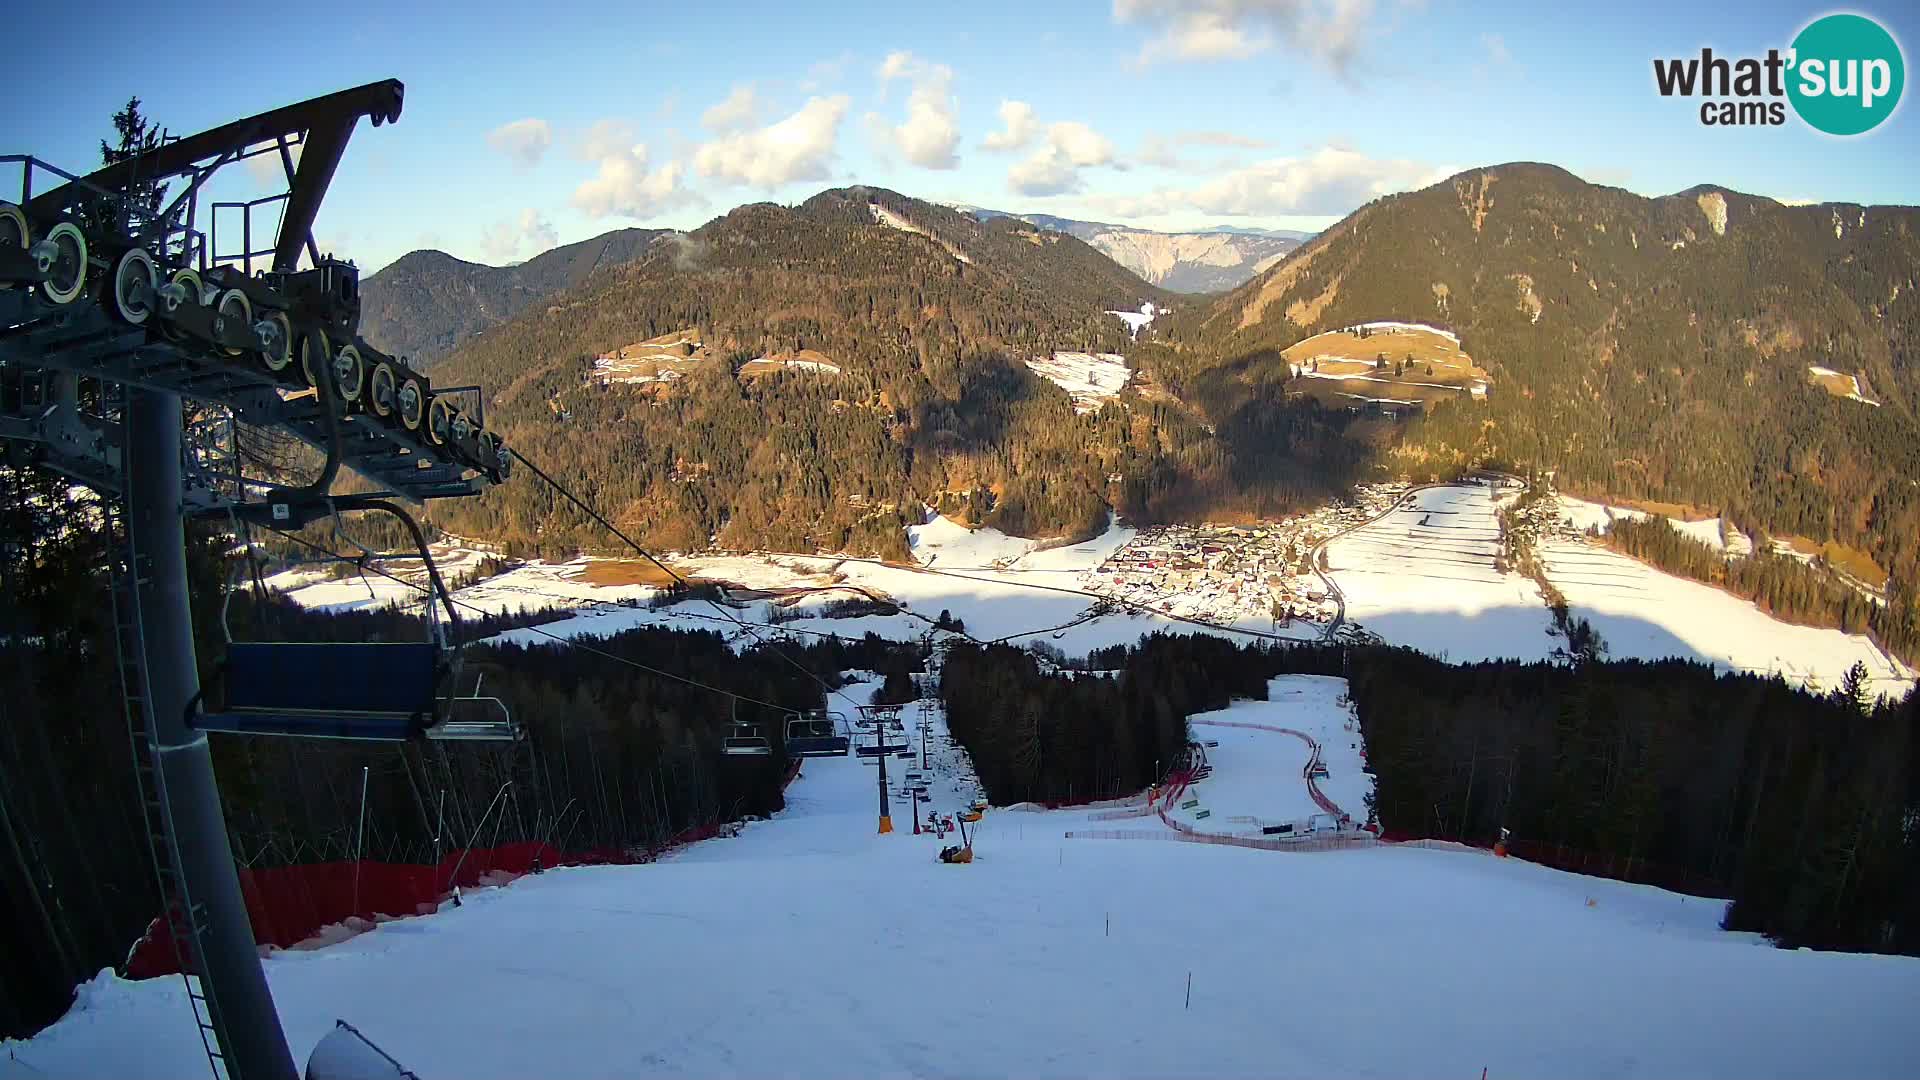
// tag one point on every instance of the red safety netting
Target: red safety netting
(290, 904)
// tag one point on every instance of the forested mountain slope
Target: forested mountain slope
(426, 303)
(1651, 348)
(915, 322)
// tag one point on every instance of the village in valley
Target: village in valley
(1236, 574)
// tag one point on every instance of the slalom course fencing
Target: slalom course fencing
(1329, 842)
(1552, 856)
(1313, 790)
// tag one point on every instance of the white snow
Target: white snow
(1434, 586)
(1643, 613)
(951, 544)
(1136, 319)
(1256, 777)
(1852, 395)
(1716, 533)
(1582, 515)
(1091, 379)
(1381, 400)
(800, 365)
(814, 365)
(1422, 327)
(809, 947)
(1705, 531)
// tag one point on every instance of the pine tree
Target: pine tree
(1854, 688)
(133, 136)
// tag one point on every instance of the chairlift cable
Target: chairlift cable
(669, 571)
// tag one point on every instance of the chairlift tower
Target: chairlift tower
(110, 315)
(881, 717)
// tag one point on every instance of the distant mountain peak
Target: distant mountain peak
(425, 303)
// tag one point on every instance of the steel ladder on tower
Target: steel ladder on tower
(187, 928)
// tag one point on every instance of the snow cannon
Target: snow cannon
(345, 1054)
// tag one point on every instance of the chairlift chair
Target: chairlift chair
(746, 739)
(476, 718)
(879, 747)
(376, 691)
(816, 733)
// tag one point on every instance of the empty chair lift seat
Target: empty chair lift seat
(383, 691)
(815, 736)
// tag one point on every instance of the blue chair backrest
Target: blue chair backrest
(355, 679)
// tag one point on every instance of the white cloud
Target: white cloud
(624, 185)
(1054, 169)
(1496, 57)
(267, 169)
(1218, 138)
(530, 231)
(1329, 181)
(1331, 31)
(895, 66)
(799, 147)
(1163, 151)
(740, 109)
(1020, 128)
(605, 138)
(524, 141)
(822, 73)
(1496, 47)
(929, 135)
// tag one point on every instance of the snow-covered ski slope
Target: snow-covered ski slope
(811, 947)
(1424, 576)
(1645, 614)
(1256, 779)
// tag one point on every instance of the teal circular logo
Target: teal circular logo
(1847, 74)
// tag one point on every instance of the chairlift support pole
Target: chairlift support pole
(256, 1047)
(886, 814)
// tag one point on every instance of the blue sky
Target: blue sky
(530, 125)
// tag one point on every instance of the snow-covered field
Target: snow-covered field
(534, 585)
(1825, 374)
(1434, 586)
(1136, 319)
(1091, 379)
(810, 947)
(1643, 613)
(1714, 532)
(1424, 576)
(944, 542)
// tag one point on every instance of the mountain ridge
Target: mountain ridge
(1187, 261)
(1654, 348)
(425, 303)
